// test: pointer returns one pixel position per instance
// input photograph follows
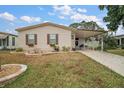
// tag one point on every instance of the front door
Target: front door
(77, 43)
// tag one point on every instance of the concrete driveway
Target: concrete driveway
(112, 61)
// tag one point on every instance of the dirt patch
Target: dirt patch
(8, 70)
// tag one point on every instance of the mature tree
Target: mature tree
(115, 16)
(86, 25)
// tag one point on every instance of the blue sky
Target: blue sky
(12, 17)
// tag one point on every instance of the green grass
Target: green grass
(117, 51)
(62, 70)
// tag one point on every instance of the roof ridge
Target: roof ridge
(6, 33)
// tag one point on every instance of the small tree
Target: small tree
(109, 42)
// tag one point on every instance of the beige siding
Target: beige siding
(73, 41)
(64, 37)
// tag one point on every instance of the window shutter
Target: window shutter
(56, 38)
(35, 39)
(48, 36)
(26, 37)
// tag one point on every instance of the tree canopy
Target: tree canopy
(86, 25)
(115, 16)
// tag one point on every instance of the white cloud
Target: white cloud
(7, 16)
(11, 31)
(51, 14)
(8, 30)
(80, 17)
(76, 14)
(64, 10)
(12, 24)
(30, 19)
(61, 17)
(46, 21)
(81, 10)
(67, 11)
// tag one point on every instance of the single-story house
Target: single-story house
(7, 40)
(120, 39)
(42, 35)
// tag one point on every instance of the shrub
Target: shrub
(98, 48)
(122, 46)
(55, 47)
(19, 49)
(36, 50)
(52, 45)
(110, 42)
(65, 48)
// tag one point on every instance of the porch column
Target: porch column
(102, 43)
(120, 42)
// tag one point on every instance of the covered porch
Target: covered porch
(87, 39)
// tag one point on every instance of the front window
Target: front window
(7, 40)
(52, 39)
(31, 39)
(13, 41)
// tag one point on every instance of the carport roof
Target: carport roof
(5, 33)
(88, 33)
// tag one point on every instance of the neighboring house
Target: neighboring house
(42, 35)
(120, 39)
(7, 40)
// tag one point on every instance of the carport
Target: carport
(82, 35)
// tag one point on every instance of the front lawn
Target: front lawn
(117, 51)
(62, 70)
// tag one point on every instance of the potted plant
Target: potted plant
(122, 46)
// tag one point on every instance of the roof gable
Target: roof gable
(44, 24)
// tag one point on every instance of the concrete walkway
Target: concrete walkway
(112, 61)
